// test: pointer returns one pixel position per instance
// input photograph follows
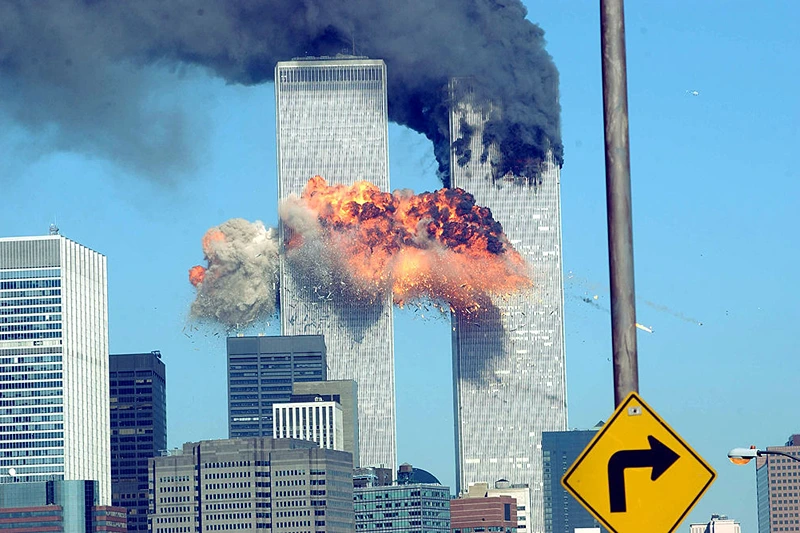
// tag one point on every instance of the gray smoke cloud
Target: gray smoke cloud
(75, 68)
(240, 284)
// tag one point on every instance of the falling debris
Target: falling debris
(239, 286)
(358, 243)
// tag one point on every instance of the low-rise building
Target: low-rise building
(282, 485)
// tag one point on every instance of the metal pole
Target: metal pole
(618, 199)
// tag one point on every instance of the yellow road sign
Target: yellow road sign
(637, 474)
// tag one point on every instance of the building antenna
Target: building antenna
(54, 227)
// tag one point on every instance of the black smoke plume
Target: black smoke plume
(74, 68)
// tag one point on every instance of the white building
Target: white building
(332, 121)
(54, 406)
(319, 421)
(509, 364)
(717, 524)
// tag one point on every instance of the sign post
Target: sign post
(638, 474)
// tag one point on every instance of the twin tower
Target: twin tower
(508, 366)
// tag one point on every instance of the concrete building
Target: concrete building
(520, 493)
(332, 121)
(508, 362)
(283, 485)
(138, 392)
(778, 488)
(717, 524)
(471, 515)
(262, 371)
(416, 503)
(54, 411)
(347, 392)
(311, 417)
(57, 507)
(562, 512)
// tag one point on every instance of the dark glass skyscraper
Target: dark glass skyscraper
(138, 428)
(562, 512)
(261, 371)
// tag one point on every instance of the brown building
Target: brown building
(498, 513)
(778, 484)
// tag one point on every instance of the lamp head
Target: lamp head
(742, 456)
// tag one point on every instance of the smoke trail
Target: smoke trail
(671, 312)
(240, 284)
(75, 69)
(358, 243)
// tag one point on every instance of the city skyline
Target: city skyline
(332, 121)
(712, 230)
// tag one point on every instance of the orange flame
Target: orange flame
(197, 274)
(438, 245)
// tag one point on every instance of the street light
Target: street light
(742, 456)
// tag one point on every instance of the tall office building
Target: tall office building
(562, 512)
(261, 372)
(347, 392)
(332, 121)
(138, 428)
(508, 363)
(54, 409)
(279, 485)
(778, 487)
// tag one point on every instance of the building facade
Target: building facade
(403, 508)
(778, 486)
(347, 392)
(717, 524)
(520, 493)
(138, 392)
(332, 121)
(508, 362)
(54, 411)
(562, 512)
(473, 515)
(57, 507)
(281, 485)
(261, 372)
(310, 417)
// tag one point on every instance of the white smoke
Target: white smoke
(241, 283)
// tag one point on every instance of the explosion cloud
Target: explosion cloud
(358, 242)
(240, 283)
(75, 69)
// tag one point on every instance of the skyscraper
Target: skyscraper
(54, 409)
(508, 362)
(262, 371)
(138, 428)
(332, 121)
(562, 512)
(778, 487)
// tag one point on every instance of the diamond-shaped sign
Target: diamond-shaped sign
(637, 474)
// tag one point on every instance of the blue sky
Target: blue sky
(715, 197)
